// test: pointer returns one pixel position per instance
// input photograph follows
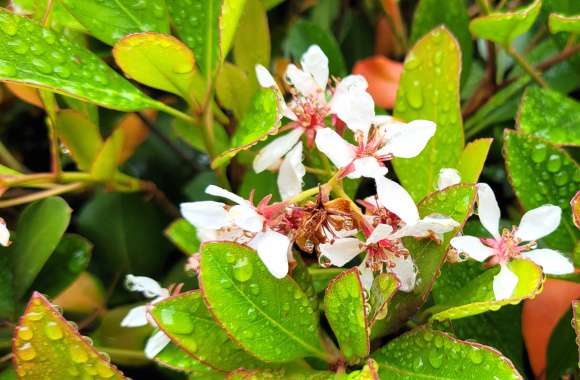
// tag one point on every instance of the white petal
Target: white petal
(381, 232)
(205, 214)
(156, 344)
(357, 110)
(272, 153)
(315, 63)
(368, 167)
(291, 173)
(4, 234)
(136, 317)
(148, 286)
(247, 218)
(301, 81)
(448, 177)
(472, 246)
(405, 271)
(223, 193)
(432, 224)
(341, 251)
(272, 247)
(407, 140)
(264, 77)
(488, 209)
(340, 152)
(552, 262)
(539, 222)
(396, 199)
(366, 276)
(504, 283)
(351, 83)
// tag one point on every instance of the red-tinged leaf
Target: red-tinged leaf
(575, 203)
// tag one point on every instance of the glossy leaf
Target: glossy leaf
(62, 66)
(291, 372)
(186, 320)
(81, 137)
(344, 306)
(177, 359)
(260, 121)
(562, 23)
(429, 90)
(472, 159)
(268, 317)
(576, 324)
(542, 173)
(232, 11)
(455, 202)
(183, 235)
(110, 20)
(503, 28)
(234, 89)
(477, 296)
(105, 164)
(426, 353)
(384, 287)
(305, 33)
(197, 24)
(252, 43)
(36, 239)
(302, 276)
(157, 60)
(453, 14)
(60, 16)
(70, 258)
(47, 347)
(575, 204)
(550, 115)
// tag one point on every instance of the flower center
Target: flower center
(507, 247)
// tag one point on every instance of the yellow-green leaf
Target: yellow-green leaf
(252, 43)
(105, 165)
(234, 89)
(562, 23)
(80, 136)
(472, 159)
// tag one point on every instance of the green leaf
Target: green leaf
(81, 137)
(197, 24)
(472, 159)
(503, 28)
(7, 288)
(562, 23)
(60, 17)
(302, 276)
(260, 121)
(344, 306)
(542, 173)
(477, 296)
(429, 90)
(233, 89)
(39, 229)
(186, 320)
(291, 372)
(576, 324)
(322, 276)
(453, 14)
(384, 287)
(8, 374)
(90, 111)
(70, 258)
(550, 115)
(62, 66)
(268, 317)
(252, 43)
(110, 20)
(262, 184)
(192, 134)
(305, 33)
(105, 164)
(562, 353)
(47, 347)
(175, 358)
(231, 12)
(157, 60)
(429, 354)
(184, 236)
(455, 202)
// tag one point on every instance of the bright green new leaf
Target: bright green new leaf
(183, 235)
(60, 16)
(550, 115)
(234, 89)
(157, 60)
(81, 137)
(252, 43)
(562, 23)
(231, 12)
(105, 164)
(428, 354)
(453, 14)
(197, 24)
(38, 231)
(269, 317)
(291, 372)
(186, 320)
(429, 90)
(503, 28)
(90, 111)
(70, 258)
(39, 57)
(175, 358)
(384, 287)
(47, 347)
(344, 306)
(472, 159)
(305, 33)
(111, 20)
(540, 174)
(576, 324)
(428, 255)
(478, 297)
(260, 121)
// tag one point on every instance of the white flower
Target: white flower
(242, 223)
(4, 234)
(448, 177)
(386, 139)
(510, 244)
(138, 316)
